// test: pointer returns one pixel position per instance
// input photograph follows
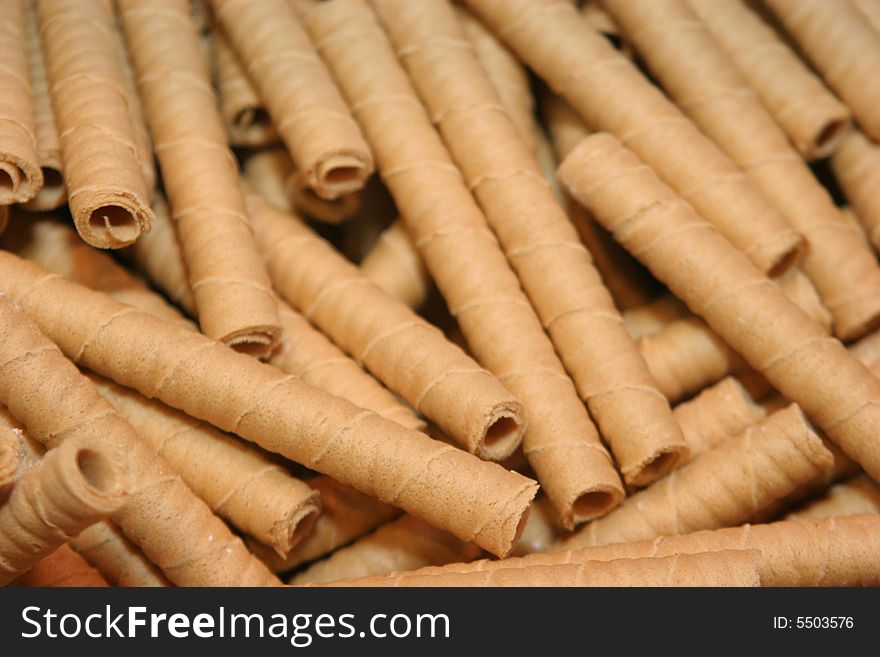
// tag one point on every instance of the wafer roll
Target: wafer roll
(860, 495)
(267, 172)
(81, 481)
(345, 515)
(722, 568)
(403, 351)
(173, 527)
(299, 93)
(746, 309)
(231, 288)
(238, 483)
(395, 266)
(62, 568)
(106, 189)
(553, 266)
(711, 91)
(841, 44)
(9, 450)
(542, 529)
(653, 316)
(814, 120)
(465, 261)
(717, 414)
(808, 552)
(870, 9)
(402, 544)
(721, 488)
(20, 174)
(475, 500)
(20, 452)
(244, 113)
(856, 166)
(307, 201)
(118, 559)
(610, 94)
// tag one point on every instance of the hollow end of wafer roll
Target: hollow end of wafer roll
(660, 463)
(112, 221)
(828, 138)
(503, 433)
(328, 211)
(103, 474)
(339, 174)
(52, 195)
(256, 341)
(20, 180)
(298, 524)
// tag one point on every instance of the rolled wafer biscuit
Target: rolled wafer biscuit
(394, 264)
(653, 316)
(402, 350)
(698, 74)
(118, 559)
(475, 500)
(721, 568)
(173, 527)
(232, 290)
(542, 529)
(506, 74)
(813, 118)
(857, 496)
(53, 193)
(20, 175)
(299, 93)
(718, 413)
(9, 454)
(721, 488)
(611, 94)
(856, 166)
(870, 9)
(543, 248)
(106, 189)
(332, 211)
(465, 261)
(22, 451)
(400, 545)
(746, 309)
(62, 568)
(244, 113)
(843, 47)
(345, 515)
(238, 483)
(267, 172)
(808, 552)
(81, 481)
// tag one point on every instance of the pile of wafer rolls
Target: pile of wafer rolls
(439, 293)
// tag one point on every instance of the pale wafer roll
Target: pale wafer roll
(118, 559)
(542, 528)
(312, 118)
(843, 47)
(400, 545)
(173, 527)
(506, 74)
(814, 120)
(56, 247)
(721, 488)
(475, 500)
(723, 568)
(328, 211)
(81, 481)
(106, 189)
(754, 317)
(554, 268)
(157, 254)
(9, 451)
(238, 483)
(345, 515)
(62, 568)
(402, 350)
(718, 413)
(867, 350)
(394, 265)
(18, 455)
(20, 174)
(231, 288)
(856, 166)
(870, 9)
(860, 495)
(808, 552)
(626, 280)
(244, 113)
(699, 75)
(465, 261)
(308, 354)
(612, 95)
(653, 316)
(53, 193)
